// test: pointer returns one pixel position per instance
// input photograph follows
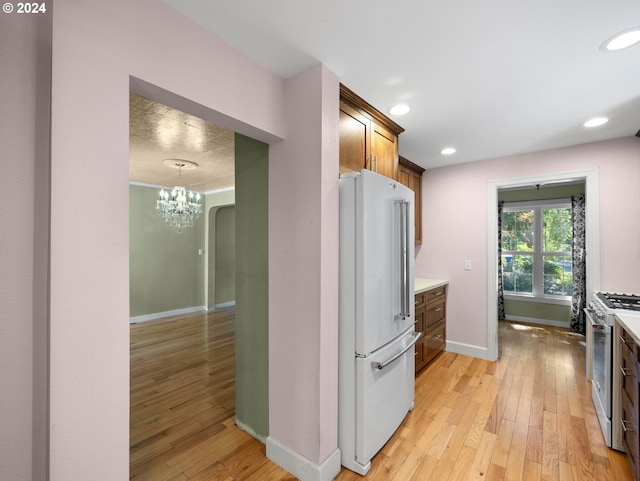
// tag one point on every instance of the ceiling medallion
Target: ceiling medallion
(179, 208)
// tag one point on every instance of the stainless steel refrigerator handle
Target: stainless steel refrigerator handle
(405, 301)
(382, 365)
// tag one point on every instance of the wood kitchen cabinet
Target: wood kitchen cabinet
(410, 174)
(628, 364)
(368, 138)
(431, 320)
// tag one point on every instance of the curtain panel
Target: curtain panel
(501, 314)
(579, 295)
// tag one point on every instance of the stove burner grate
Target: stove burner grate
(620, 301)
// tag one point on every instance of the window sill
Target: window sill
(562, 301)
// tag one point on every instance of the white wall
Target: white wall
(455, 209)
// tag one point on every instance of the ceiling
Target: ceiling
(490, 78)
(158, 133)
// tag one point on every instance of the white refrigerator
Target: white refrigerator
(376, 334)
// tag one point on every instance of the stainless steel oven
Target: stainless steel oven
(602, 358)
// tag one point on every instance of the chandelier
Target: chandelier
(179, 208)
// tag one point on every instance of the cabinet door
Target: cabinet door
(384, 151)
(354, 140)
(412, 178)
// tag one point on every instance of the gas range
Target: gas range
(602, 351)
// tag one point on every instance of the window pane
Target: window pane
(517, 273)
(558, 276)
(558, 230)
(517, 230)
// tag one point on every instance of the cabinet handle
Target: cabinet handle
(438, 309)
(438, 337)
(623, 340)
(625, 371)
(624, 426)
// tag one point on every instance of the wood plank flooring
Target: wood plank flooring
(526, 417)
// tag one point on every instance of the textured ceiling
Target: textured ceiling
(158, 132)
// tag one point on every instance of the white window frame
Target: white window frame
(538, 265)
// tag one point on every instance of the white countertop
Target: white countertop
(422, 285)
(631, 322)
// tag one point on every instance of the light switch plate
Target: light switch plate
(467, 265)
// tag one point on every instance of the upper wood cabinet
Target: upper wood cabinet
(368, 138)
(410, 174)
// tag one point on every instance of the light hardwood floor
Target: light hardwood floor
(528, 416)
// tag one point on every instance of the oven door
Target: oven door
(601, 383)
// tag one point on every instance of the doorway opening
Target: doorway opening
(590, 179)
(215, 358)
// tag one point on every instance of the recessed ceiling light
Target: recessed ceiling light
(399, 109)
(596, 122)
(448, 151)
(621, 40)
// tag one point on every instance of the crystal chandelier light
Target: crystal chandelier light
(179, 208)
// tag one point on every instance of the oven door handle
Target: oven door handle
(595, 321)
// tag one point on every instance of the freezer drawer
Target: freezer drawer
(384, 395)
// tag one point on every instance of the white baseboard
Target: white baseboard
(300, 466)
(222, 305)
(250, 431)
(160, 315)
(467, 350)
(535, 320)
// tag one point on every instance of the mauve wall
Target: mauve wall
(25, 63)
(303, 271)
(455, 205)
(97, 46)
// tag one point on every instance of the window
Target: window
(536, 250)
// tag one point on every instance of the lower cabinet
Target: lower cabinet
(628, 360)
(431, 320)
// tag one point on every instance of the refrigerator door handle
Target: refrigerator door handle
(405, 300)
(382, 365)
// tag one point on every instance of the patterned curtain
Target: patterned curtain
(501, 313)
(579, 300)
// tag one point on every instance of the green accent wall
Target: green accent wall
(165, 271)
(222, 255)
(539, 310)
(252, 284)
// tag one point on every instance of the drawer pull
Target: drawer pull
(438, 309)
(626, 371)
(624, 426)
(623, 340)
(437, 338)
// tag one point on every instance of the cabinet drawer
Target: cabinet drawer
(627, 342)
(420, 354)
(628, 378)
(435, 342)
(629, 424)
(436, 293)
(421, 300)
(420, 319)
(435, 314)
